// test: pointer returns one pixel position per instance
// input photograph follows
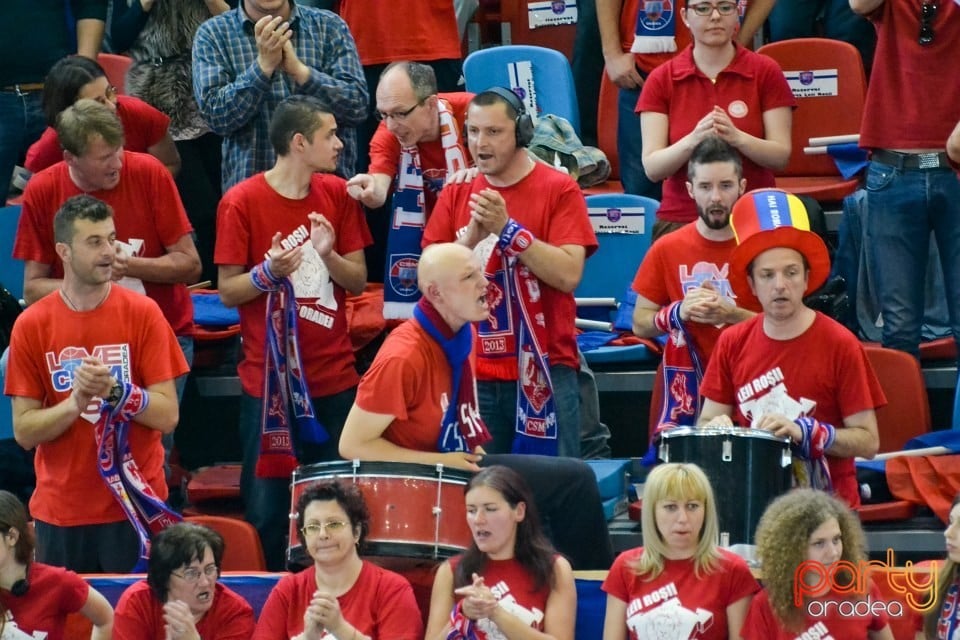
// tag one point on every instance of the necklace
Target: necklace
(73, 305)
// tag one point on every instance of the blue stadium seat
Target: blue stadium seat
(11, 276)
(623, 223)
(552, 77)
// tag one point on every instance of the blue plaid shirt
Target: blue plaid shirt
(237, 99)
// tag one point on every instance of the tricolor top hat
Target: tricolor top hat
(767, 219)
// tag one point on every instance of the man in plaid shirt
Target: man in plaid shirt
(246, 61)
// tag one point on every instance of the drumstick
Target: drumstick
(815, 151)
(200, 285)
(825, 140)
(925, 451)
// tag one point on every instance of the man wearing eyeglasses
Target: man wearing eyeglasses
(638, 36)
(912, 189)
(415, 148)
(245, 61)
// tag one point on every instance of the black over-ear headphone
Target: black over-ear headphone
(524, 122)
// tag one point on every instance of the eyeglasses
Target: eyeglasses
(316, 528)
(192, 574)
(398, 116)
(109, 95)
(928, 11)
(706, 9)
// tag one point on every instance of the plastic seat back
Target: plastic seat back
(243, 551)
(907, 413)
(115, 67)
(829, 84)
(550, 78)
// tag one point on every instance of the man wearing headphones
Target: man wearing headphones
(528, 224)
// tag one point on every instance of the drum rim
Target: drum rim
(382, 469)
(740, 432)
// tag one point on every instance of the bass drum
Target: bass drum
(747, 468)
(416, 510)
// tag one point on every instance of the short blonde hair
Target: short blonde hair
(681, 482)
(78, 124)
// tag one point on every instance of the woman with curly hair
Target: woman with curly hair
(510, 583)
(809, 525)
(340, 596)
(679, 584)
(943, 620)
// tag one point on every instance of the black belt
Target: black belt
(23, 87)
(933, 160)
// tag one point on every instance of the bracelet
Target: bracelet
(133, 401)
(515, 238)
(664, 320)
(263, 278)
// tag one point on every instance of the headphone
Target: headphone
(524, 122)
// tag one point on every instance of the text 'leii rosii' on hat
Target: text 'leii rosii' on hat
(766, 219)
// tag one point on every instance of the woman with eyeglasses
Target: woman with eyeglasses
(341, 595)
(680, 584)
(801, 535)
(511, 583)
(713, 87)
(35, 599)
(76, 77)
(181, 598)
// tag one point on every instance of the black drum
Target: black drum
(416, 510)
(748, 468)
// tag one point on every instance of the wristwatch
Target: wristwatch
(116, 392)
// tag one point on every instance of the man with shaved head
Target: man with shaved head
(417, 403)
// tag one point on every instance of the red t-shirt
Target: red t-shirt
(248, 217)
(912, 96)
(143, 127)
(826, 365)
(421, 30)
(139, 616)
(147, 212)
(762, 624)
(680, 261)
(385, 151)
(678, 600)
(380, 604)
(54, 594)
(408, 379)
(647, 62)
(128, 333)
(749, 86)
(551, 206)
(514, 589)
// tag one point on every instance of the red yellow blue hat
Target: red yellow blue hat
(765, 219)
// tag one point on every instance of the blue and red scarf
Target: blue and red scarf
(140, 503)
(512, 346)
(283, 382)
(462, 429)
(408, 218)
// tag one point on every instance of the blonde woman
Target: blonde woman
(679, 584)
(810, 525)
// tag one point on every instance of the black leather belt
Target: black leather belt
(911, 160)
(25, 87)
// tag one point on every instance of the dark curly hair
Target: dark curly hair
(532, 549)
(347, 495)
(178, 546)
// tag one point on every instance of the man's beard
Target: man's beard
(712, 222)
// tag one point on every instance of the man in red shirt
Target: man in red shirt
(297, 214)
(791, 370)
(413, 151)
(682, 284)
(87, 344)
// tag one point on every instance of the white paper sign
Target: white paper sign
(618, 219)
(813, 83)
(521, 83)
(550, 13)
